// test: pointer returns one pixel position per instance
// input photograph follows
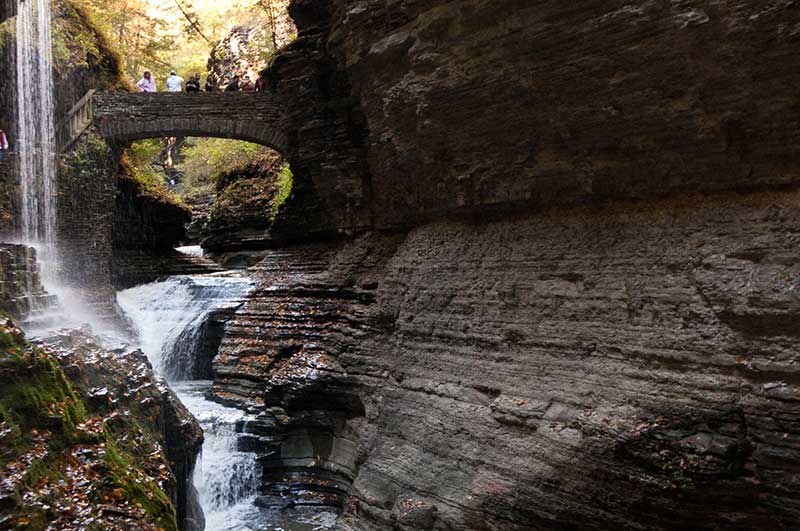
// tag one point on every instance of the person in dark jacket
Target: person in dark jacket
(233, 86)
(261, 82)
(210, 86)
(193, 85)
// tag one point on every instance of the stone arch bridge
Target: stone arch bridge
(253, 116)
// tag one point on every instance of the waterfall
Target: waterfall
(36, 138)
(227, 479)
(170, 314)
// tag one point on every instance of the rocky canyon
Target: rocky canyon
(538, 269)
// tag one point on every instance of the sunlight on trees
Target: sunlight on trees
(161, 35)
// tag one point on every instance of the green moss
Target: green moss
(7, 32)
(139, 491)
(91, 159)
(78, 44)
(283, 189)
(40, 406)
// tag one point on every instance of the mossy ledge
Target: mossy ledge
(84, 451)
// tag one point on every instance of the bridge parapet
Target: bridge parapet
(251, 116)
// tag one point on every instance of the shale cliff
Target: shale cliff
(584, 316)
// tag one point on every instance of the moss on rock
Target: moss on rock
(75, 456)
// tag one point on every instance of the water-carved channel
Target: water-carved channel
(170, 319)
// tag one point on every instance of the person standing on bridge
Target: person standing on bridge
(147, 83)
(193, 85)
(233, 86)
(174, 82)
(261, 82)
(3, 143)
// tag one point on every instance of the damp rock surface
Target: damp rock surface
(628, 366)
(90, 438)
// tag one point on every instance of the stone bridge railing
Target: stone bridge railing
(78, 119)
(251, 116)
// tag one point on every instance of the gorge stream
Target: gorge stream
(169, 317)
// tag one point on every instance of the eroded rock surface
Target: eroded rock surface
(21, 291)
(630, 366)
(494, 107)
(91, 439)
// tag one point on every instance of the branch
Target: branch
(192, 23)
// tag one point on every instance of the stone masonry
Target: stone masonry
(254, 117)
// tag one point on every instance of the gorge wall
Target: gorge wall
(496, 107)
(482, 360)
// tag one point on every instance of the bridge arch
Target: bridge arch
(254, 117)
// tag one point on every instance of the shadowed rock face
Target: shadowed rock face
(630, 366)
(475, 106)
(8, 8)
(21, 291)
(624, 367)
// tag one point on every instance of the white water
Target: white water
(168, 316)
(36, 136)
(37, 151)
(226, 479)
(191, 250)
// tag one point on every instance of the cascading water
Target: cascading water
(168, 316)
(36, 147)
(36, 135)
(226, 478)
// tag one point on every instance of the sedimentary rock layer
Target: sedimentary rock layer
(21, 291)
(621, 367)
(475, 106)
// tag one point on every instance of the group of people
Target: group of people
(175, 83)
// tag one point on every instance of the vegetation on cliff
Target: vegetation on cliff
(81, 48)
(84, 451)
(160, 35)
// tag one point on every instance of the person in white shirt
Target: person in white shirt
(147, 83)
(3, 143)
(174, 82)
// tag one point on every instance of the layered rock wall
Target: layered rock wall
(87, 181)
(626, 366)
(480, 107)
(21, 291)
(629, 366)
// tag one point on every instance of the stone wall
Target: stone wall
(250, 116)
(8, 8)
(87, 181)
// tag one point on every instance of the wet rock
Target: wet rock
(109, 449)
(124, 382)
(575, 368)
(21, 293)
